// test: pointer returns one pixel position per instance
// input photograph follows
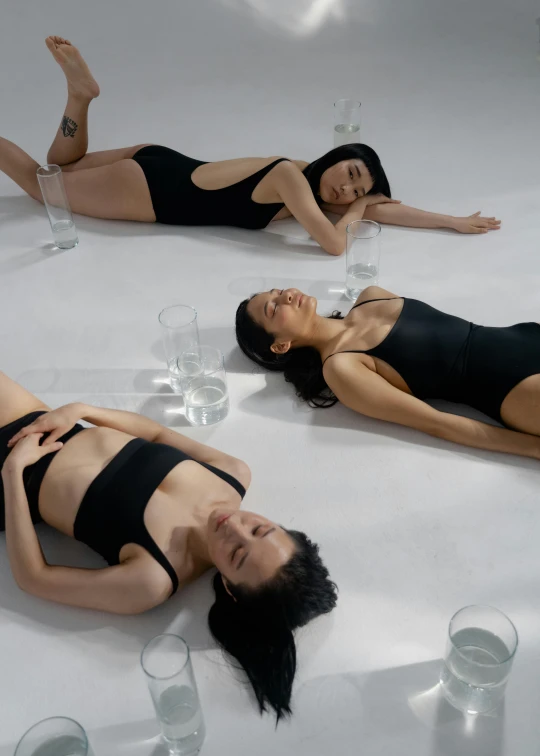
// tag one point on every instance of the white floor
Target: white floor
(411, 528)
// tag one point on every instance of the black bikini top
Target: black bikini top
(112, 512)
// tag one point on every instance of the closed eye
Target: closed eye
(254, 531)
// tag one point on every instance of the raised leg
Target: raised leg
(71, 140)
(16, 401)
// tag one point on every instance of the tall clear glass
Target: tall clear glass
(482, 643)
(166, 663)
(180, 331)
(54, 195)
(57, 736)
(346, 122)
(362, 256)
(204, 385)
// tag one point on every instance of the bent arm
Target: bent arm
(294, 190)
(129, 588)
(61, 420)
(364, 391)
(143, 427)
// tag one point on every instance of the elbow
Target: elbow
(336, 250)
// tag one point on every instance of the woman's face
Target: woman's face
(344, 182)
(246, 547)
(287, 314)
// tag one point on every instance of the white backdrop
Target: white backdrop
(411, 528)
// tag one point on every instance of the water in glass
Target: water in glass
(65, 234)
(206, 400)
(65, 745)
(181, 719)
(346, 133)
(468, 680)
(359, 277)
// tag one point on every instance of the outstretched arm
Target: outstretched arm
(403, 215)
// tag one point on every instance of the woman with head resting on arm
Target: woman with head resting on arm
(391, 353)
(161, 509)
(151, 183)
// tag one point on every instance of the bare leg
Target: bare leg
(521, 408)
(16, 401)
(118, 190)
(71, 141)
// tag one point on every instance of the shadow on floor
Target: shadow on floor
(382, 710)
(277, 400)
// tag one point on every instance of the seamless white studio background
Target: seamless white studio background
(411, 528)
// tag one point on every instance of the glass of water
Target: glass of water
(363, 256)
(346, 122)
(56, 202)
(57, 736)
(179, 331)
(482, 643)
(204, 385)
(166, 663)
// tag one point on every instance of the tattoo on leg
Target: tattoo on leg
(68, 126)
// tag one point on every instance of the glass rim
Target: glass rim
(371, 224)
(353, 103)
(51, 168)
(53, 719)
(501, 614)
(153, 640)
(199, 347)
(172, 307)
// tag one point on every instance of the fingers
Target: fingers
(35, 427)
(50, 448)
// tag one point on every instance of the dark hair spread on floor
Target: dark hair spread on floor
(302, 366)
(256, 626)
(315, 170)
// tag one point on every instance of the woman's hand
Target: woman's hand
(475, 224)
(379, 199)
(57, 423)
(27, 452)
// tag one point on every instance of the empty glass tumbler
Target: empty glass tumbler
(482, 643)
(166, 663)
(203, 379)
(179, 331)
(54, 195)
(57, 736)
(362, 256)
(346, 122)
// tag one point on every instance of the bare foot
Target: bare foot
(80, 81)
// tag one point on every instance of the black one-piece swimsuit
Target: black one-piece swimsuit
(440, 356)
(177, 201)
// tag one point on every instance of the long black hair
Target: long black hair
(302, 366)
(315, 170)
(256, 626)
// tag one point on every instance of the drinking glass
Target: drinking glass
(346, 122)
(166, 663)
(57, 736)
(54, 195)
(202, 375)
(180, 331)
(482, 643)
(362, 257)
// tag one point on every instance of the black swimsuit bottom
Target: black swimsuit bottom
(440, 356)
(178, 201)
(111, 513)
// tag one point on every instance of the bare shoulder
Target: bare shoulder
(375, 292)
(344, 367)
